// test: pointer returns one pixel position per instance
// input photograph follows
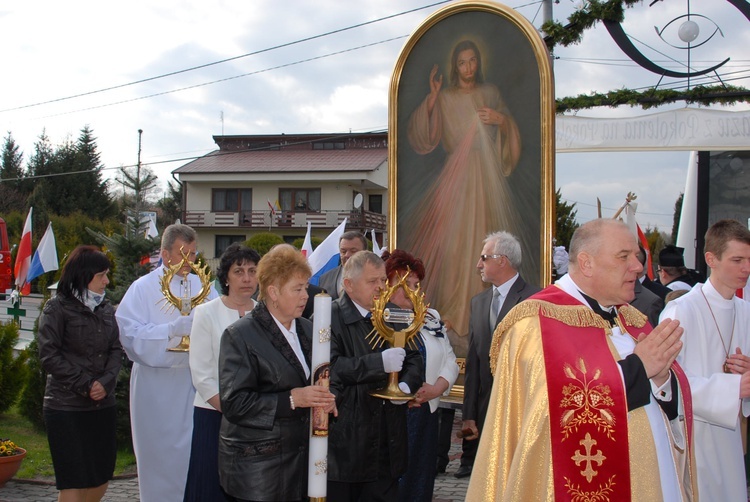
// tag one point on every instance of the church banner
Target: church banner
(682, 129)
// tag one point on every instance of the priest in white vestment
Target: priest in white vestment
(717, 335)
(161, 388)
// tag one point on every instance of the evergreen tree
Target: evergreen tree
(130, 247)
(12, 368)
(32, 398)
(11, 166)
(40, 159)
(128, 250)
(566, 221)
(72, 178)
(170, 205)
(93, 186)
(676, 216)
(12, 182)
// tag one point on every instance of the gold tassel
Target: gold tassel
(579, 316)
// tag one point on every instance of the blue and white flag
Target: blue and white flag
(326, 255)
(45, 257)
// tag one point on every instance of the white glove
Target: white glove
(393, 359)
(405, 389)
(181, 326)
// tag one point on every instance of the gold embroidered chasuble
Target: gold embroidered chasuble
(516, 460)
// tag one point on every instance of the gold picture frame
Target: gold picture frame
(455, 208)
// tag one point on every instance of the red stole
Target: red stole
(587, 403)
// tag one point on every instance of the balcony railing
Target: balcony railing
(357, 219)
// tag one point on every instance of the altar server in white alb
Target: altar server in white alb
(716, 339)
(161, 389)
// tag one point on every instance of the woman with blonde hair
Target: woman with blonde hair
(264, 387)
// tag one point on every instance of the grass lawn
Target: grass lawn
(38, 462)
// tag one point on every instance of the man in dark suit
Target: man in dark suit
(350, 243)
(312, 290)
(646, 301)
(498, 265)
(658, 289)
(367, 442)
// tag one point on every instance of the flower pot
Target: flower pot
(9, 466)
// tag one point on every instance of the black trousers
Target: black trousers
(445, 433)
(384, 489)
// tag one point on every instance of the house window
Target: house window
(376, 204)
(329, 145)
(299, 199)
(223, 242)
(231, 199)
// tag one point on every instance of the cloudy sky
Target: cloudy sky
(185, 70)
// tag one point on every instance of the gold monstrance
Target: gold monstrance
(384, 333)
(185, 302)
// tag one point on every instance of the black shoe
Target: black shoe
(463, 472)
(441, 469)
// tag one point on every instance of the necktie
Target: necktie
(494, 308)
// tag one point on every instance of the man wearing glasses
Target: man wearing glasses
(498, 265)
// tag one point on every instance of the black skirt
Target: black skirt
(203, 474)
(83, 446)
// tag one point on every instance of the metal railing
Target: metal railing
(364, 220)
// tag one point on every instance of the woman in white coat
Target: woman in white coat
(441, 371)
(237, 278)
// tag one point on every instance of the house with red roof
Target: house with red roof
(280, 182)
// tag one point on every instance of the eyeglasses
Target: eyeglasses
(485, 257)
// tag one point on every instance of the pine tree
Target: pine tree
(71, 178)
(13, 186)
(132, 246)
(12, 163)
(566, 221)
(170, 205)
(676, 216)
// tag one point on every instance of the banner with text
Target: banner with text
(683, 129)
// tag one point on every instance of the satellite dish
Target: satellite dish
(358, 199)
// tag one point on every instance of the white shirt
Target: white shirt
(209, 322)
(291, 338)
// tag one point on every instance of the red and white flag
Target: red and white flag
(23, 257)
(307, 244)
(630, 209)
(375, 246)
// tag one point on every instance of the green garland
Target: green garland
(614, 10)
(651, 98)
(582, 20)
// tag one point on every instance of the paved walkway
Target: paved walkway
(447, 487)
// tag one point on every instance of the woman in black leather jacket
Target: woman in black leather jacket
(264, 387)
(80, 350)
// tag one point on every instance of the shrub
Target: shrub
(315, 241)
(263, 242)
(32, 397)
(122, 396)
(12, 367)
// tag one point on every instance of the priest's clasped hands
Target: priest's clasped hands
(659, 349)
(739, 364)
